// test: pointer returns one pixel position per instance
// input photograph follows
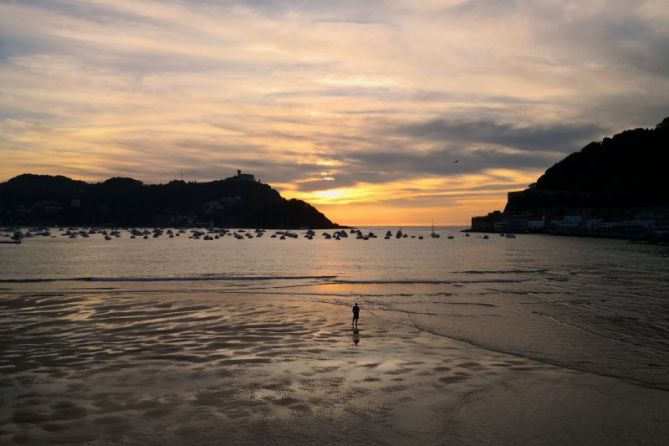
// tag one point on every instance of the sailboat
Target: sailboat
(434, 234)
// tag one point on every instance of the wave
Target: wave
(206, 278)
(506, 271)
(332, 279)
(423, 281)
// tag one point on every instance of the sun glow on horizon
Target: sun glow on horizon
(417, 201)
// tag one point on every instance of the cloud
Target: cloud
(318, 95)
(554, 137)
(389, 166)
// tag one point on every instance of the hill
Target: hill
(238, 201)
(614, 187)
(627, 170)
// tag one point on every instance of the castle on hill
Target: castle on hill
(244, 176)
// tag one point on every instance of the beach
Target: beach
(146, 366)
(199, 198)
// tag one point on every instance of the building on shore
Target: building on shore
(609, 222)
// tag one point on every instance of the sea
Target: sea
(599, 306)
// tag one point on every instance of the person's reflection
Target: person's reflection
(356, 337)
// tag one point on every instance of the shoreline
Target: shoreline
(662, 241)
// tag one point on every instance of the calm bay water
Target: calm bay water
(594, 305)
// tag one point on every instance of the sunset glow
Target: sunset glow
(380, 112)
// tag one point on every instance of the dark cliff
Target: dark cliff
(237, 201)
(625, 171)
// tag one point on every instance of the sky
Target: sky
(395, 112)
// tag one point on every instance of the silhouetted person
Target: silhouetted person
(356, 315)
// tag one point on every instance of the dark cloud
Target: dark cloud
(647, 51)
(618, 35)
(465, 148)
(386, 166)
(488, 8)
(469, 97)
(563, 138)
(620, 110)
(448, 161)
(380, 93)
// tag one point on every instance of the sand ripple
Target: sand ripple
(174, 368)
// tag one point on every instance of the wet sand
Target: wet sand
(199, 368)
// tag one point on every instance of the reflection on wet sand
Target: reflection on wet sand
(200, 368)
(356, 336)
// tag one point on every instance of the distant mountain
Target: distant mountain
(628, 170)
(238, 201)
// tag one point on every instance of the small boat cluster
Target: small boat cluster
(14, 235)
